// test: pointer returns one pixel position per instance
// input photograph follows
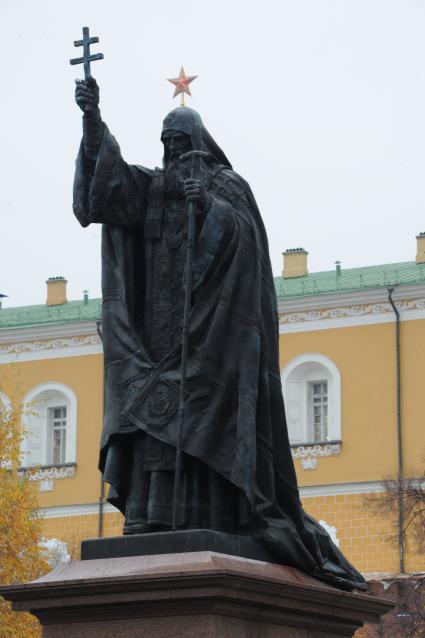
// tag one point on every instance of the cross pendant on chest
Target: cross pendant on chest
(87, 58)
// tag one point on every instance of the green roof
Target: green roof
(317, 283)
(350, 279)
(38, 315)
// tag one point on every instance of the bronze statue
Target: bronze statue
(237, 473)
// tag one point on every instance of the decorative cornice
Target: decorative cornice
(47, 331)
(49, 344)
(345, 316)
(353, 298)
(50, 349)
(351, 311)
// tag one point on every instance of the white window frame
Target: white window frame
(311, 426)
(296, 396)
(44, 425)
(57, 424)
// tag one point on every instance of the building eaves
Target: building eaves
(317, 283)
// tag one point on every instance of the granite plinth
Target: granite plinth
(177, 542)
(185, 595)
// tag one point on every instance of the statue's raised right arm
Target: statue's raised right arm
(106, 188)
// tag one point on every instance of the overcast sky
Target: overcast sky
(319, 104)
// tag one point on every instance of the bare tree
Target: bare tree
(407, 620)
(411, 494)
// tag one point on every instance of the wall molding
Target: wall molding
(62, 511)
(337, 489)
(85, 509)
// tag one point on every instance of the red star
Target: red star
(182, 83)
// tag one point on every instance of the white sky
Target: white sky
(319, 104)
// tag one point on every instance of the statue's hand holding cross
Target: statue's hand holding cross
(87, 94)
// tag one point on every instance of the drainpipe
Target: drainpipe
(400, 473)
(101, 502)
(102, 482)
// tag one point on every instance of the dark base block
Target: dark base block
(195, 540)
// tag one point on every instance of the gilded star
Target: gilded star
(182, 84)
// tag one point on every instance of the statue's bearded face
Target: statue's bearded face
(175, 145)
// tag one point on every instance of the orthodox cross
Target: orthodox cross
(87, 58)
(182, 85)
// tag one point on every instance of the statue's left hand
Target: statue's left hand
(195, 192)
(87, 95)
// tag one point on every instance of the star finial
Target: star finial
(182, 85)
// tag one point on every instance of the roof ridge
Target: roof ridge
(351, 268)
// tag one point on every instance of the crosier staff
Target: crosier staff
(195, 157)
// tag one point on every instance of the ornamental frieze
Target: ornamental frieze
(349, 311)
(49, 344)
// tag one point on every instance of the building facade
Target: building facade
(352, 349)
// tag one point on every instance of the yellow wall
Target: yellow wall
(412, 393)
(365, 357)
(74, 529)
(85, 376)
(367, 538)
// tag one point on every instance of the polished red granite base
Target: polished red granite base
(197, 594)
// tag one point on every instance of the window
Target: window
(319, 410)
(57, 442)
(50, 423)
(312, 393)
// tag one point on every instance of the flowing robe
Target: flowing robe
(235, 419)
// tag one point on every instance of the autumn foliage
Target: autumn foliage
(21, 558)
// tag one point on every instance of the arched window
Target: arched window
(312, 391)
(50, 422)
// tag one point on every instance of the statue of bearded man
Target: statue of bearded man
(237, 470)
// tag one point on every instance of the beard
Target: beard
(174, 177)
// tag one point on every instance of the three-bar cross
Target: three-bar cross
(87, 58)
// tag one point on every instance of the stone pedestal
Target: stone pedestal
(190, 595)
